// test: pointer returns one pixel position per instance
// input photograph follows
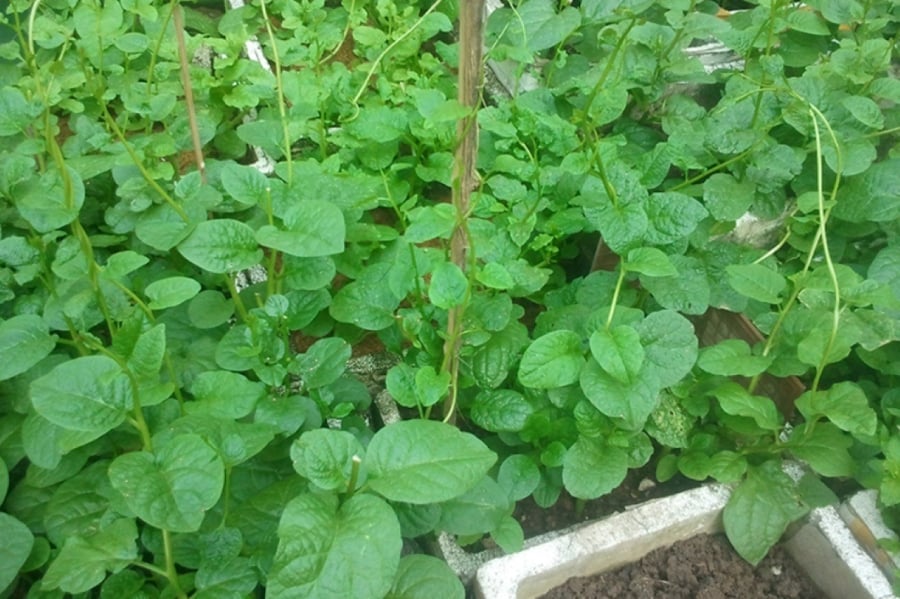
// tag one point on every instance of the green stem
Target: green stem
(236, 298)
(279, 88)
(171, 572)
(615, 299)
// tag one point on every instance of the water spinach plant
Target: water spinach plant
(170, 426)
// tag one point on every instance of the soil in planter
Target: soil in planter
(637, 487)
(703, 567)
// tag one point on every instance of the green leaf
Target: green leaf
(83, 561)
(500, 410)
(209, 309)
(173, 487)
(171, 291)
(757, 282)
(332, 551)
(622, 226)
(845, 404)
(221, 246)
(726, 198)
(874, 194)
(824, 447)
(89, 394)
(52, 200)
(687, 292)
(425, 577)
(552, 360)
(325, 457)
(864, 110)
(593, 469)
(618, 351)
(670, 346)
(544, 26)
(312, 228)
(492, 361)
(323, 363)
(519, 476)
(15, 548)
(25, 340)
(424, 461)
(495, 276)
(479, 510)
(431, 386)
(233, 577)
(732, 357)
(16, 115)
(672, 217)
(651, 262)
(80, 505)
(245, 184)
(448, 286)
(430, 222)
(760, 510)
(365, 304)
(737, 401)
(633, 401)
(224, 394)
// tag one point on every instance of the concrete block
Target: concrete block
(822, 545)
(863, 518)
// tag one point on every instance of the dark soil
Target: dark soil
(638, 486)
(703, 567)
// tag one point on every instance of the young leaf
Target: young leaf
(425, 577)
(500, 410)
(760, 510)
(312, 228)
(757, 282)
(430, 222)
(333, 551)
(365, 304)
(323, 363)
(171, 291)
(845, 404)
(52, 200)
(431, 386)
(448, 286)
(649, 261)
(732, 357)
(83, 561)
(552, 360)
(89, 394)
(221, 246)
(618, 351)
(245, 184)
(593, 469)
(325, 457)
(173, 487)
(15, 548)
(424, 461)
(519, 476)
(25, 340)
(737, 401)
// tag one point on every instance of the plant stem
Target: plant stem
(188, 90)
(279, 88)
(465, 177)
(171, 572)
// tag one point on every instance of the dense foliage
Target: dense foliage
(172, 424)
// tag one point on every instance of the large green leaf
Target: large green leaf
(89, 394)
(221, 246)
(757, 282)
(311, 228)
(173, 487)
(670, 346)
(618, 351)
(224, 394)
(552, 360)
(737, 401)
(592, 469)
(633, 401)
(424, 461)
(425, 577)
(448, 285)
(79, 505)
(25, 340)
(15, 548)
(500, 410)
(51, 200)
(845, 404)
(732, 357)
(368, 305)
(759, 511)
(825, 448)
(323, 363)
(83, 561)
(171, 291)
(327, 550)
